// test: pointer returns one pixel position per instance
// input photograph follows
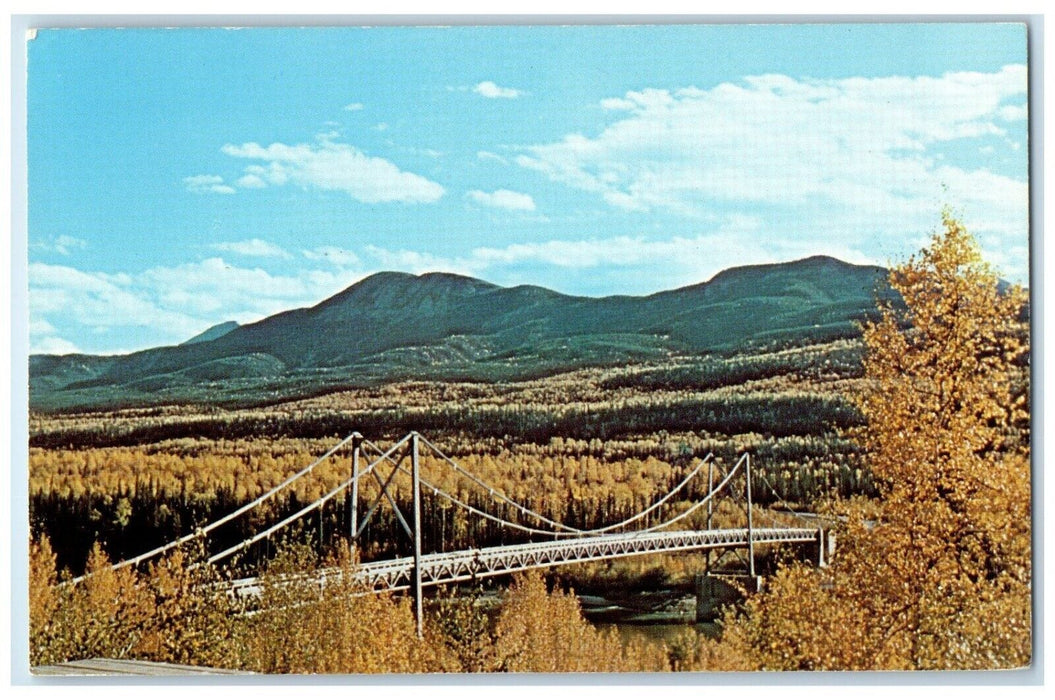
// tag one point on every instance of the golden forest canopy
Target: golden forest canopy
(941, 578)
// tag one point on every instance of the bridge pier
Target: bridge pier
(825, 548)
(714, 591)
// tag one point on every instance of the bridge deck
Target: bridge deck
(450, 567)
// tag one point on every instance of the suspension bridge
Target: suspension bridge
(551, 542)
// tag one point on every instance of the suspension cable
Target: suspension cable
(658, 503)
(764, 512)
(202, 531)
(476, 511)
(607, 528)
(306, 509)
(699, 504)
(501, 521)
(494, 494)
(739, 500)
(440, 492)
(781, 498)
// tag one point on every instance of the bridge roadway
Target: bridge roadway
(465, 565)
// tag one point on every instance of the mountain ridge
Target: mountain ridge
(212, 332)
(392, 325)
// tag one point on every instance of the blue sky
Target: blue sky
(180, 178)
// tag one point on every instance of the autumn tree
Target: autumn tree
(942, 578)
(545, 632)
(466, 629)
(338, 629)
(44, 603)
(105, 615)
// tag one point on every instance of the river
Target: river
(660, 615)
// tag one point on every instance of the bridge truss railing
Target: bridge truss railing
(451, 567)
(566, 543)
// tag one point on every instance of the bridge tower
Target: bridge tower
(750, 520)
(713, 589)
(717, 588)
(415, 470)
(413, 529)
(357, 447)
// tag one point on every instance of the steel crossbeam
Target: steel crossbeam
(450, 567)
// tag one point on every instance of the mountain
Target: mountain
(212, 332)
(394, 325)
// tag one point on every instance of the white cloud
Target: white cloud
(204, 184)
(166, 304)
(488, 155)
(254, 247)
(44, 339)
(427, 152)
(1013, 113)
(52, 345)
(333, 255)
(328, 165)
(96, 299)
(62, 244)
(38, 327)
(503, 199)
(250, 181)
(630, 264)
(353, 107)
(213, 285)
(662, 263)
(825, 153)
(617, 103)
(416, 262)
(490, 90)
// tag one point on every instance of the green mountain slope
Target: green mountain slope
(212, 333)
(439, 325)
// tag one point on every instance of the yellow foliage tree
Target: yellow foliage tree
(948, 441)
(546, 633)
(190, 618)
(942, 579)
(338, 629)
(44, 603)
(104, 616)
